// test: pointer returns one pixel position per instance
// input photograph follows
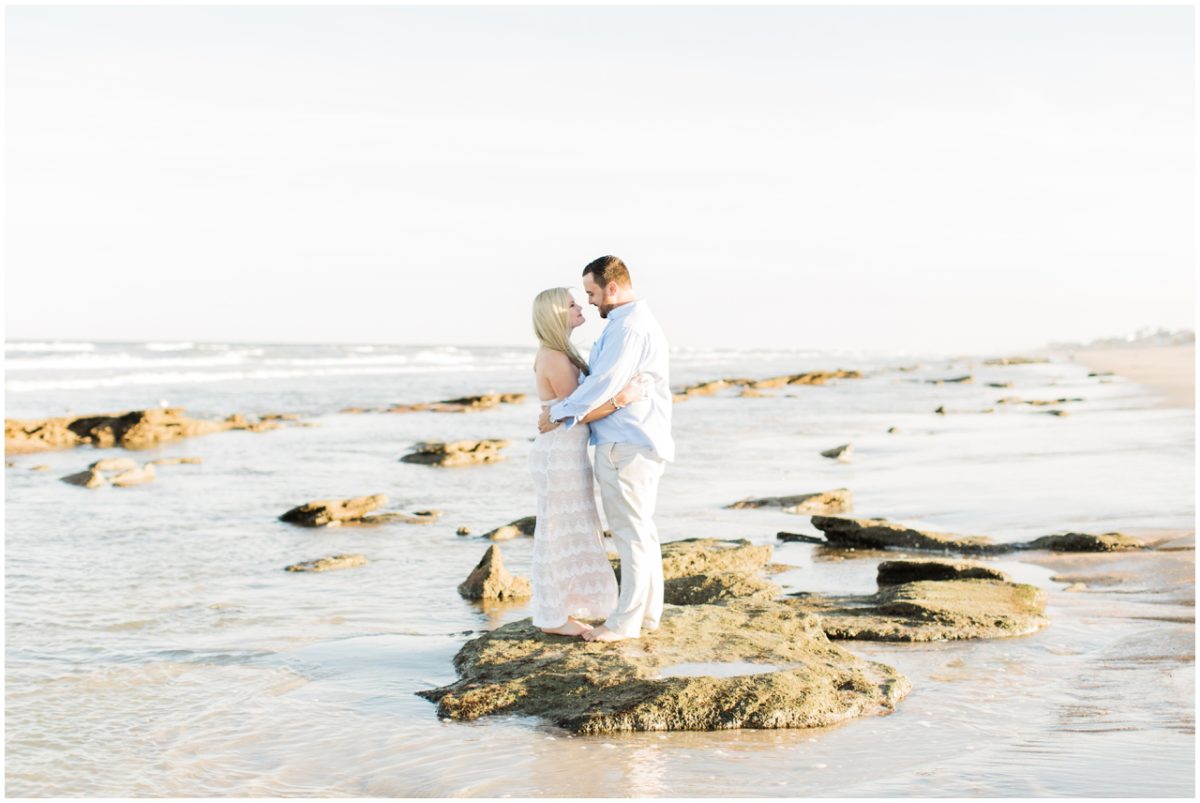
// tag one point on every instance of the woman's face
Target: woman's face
(574, 314)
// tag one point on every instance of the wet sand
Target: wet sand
(1169, 370)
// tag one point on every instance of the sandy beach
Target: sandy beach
(1169, 370)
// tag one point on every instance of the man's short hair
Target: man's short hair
(608, 269)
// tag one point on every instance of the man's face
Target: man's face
(596, 295)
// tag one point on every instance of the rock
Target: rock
(897, 572)
(999, 384)
(839, 500)
(490, 580)
(523, 526)
(882, 534)
(40, 467)
(465, 404)
(1035, 402)
(751, 385)
(951, 380)
(893, 430)
(808, 539)
(463, 531)
(842, 452)
(328, 563)
(1083, 542)
(324, 512)
(279, 417)
(751, 393)
(941, 610)
(172, 461)
(594, 688)
(1101, 373)
(708, 556)
(702, 589)
(9, 464)
(88, 479)
(457, 453)
(1016, 361)
(940, 410)
(416, 517)
(1057, 412)
(137, 429)
(114, 464)
(134, 476)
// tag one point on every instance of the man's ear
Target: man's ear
(612, 290)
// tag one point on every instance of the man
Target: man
(633, 444)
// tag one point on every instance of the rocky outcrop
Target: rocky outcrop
(839, 500)
(882, 534)
(489, 580)
(456, 453)
(326, 512)
(1016, 361)
(1083, 542)
(800, 679)
(466, 404)
(328, 563)
(953, 601)
(514, 529)
(137, 429)
(809, 378)
(951, 380)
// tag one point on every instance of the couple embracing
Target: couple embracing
(620, 402)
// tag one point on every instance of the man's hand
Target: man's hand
(545, 424)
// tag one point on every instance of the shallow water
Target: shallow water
(156, 647)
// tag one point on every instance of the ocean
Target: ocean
(156, 647)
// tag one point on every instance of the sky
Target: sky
(924, 179)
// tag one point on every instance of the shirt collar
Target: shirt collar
(623, 310)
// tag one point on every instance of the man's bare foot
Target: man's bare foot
(602, 633)
(572, 627)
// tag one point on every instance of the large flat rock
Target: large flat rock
(801, 680)
(135, 429)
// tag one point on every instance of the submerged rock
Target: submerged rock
(882, 534)
(114, 464)
(416, 517)
(171, 461)
(839, 500)
(137, 429)
(930, 610)
(514, 529)
(593, 688)
(457, 453)
(490, 580)
(842, 452)
(328, 563)
(1083, 542)
(324, 512)
(134, 476)
(1036, 402)
(951, 380)
(40, 467)
(465, 404)
(807, 539)
(87, 479)
(897, 572)
(464, 530)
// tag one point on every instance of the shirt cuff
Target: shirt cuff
(557, 412)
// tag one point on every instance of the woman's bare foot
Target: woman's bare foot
(572, 627)
(602, 633)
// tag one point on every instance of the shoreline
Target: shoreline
(1170, 371)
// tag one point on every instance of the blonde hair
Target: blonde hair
(552, 323)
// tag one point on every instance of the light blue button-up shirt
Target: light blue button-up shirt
(631, 343)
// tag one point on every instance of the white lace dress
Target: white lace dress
(571, 574)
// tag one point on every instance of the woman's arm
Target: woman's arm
(632, 392)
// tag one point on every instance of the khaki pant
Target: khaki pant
(628, 475)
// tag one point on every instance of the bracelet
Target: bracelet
(613, 402)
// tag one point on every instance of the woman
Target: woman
(571, 573)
